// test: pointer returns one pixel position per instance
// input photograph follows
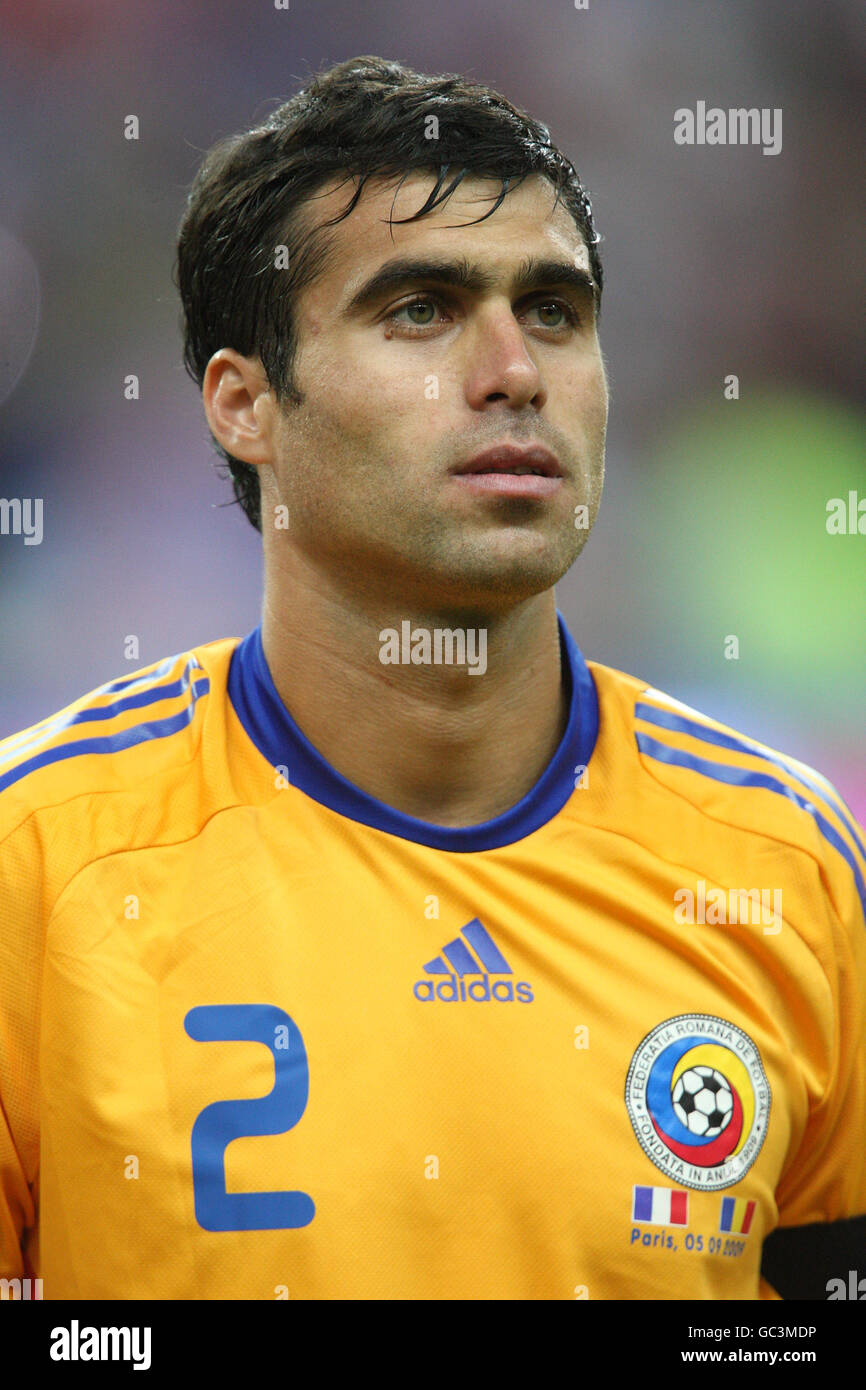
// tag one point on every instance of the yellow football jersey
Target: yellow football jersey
(263, 1036)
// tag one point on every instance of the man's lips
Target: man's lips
(511, 470)
(513, 458)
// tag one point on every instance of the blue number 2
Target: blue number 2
(225, 1120)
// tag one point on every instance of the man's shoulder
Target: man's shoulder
(119, 739)
(765, 798)
(699, 756)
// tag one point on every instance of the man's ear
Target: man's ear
(239, 406)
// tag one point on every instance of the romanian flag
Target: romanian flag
(736, 1215)
(660, 1206)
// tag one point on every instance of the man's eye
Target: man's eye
(567, 315)
(421, 312)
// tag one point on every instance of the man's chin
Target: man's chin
(496, 589)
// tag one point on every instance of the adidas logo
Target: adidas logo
(457, 961)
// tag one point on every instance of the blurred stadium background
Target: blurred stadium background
(718, 260)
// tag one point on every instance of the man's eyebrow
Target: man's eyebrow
(532, 274)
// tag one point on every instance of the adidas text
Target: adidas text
(481, 991)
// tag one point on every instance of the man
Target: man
(396, 951)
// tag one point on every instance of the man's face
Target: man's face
(403, 386)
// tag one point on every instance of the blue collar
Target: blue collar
(276, 735)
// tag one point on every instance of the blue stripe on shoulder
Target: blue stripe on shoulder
(666, 719)
(148, 694)
(127, 682)
(743, 777)
(113, 743)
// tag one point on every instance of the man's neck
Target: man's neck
(431, 740)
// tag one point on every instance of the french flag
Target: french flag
(660, 1206)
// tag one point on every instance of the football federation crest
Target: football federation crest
(699, 1100)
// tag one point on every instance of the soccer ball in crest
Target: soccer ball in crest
(703, 1101)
